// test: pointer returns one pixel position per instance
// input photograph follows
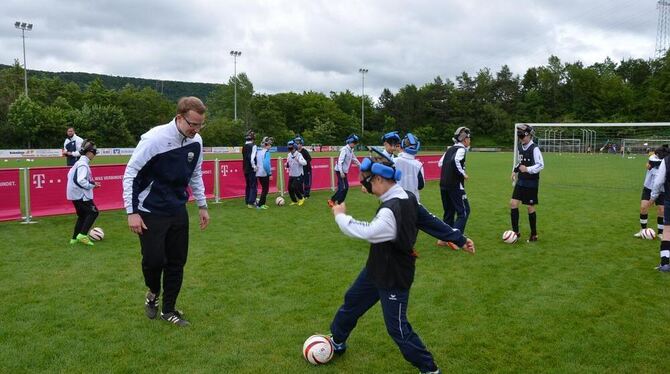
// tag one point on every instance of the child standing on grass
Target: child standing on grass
(526, 179)
(662, 183)
(80, 187)
(294, 164)
(653, 164)
(347, 156)
(264, 170)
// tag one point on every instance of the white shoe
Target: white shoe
(638, 234)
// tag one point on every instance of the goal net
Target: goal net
(598, 156)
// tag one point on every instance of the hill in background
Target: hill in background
(172, 90)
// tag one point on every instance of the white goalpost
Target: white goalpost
(619, 138)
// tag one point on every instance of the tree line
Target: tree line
(489, 103)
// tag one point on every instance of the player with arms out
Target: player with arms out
(412, 180)
(389, 272)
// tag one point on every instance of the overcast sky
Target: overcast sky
(320, 45)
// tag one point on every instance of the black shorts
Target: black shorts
(646, 195)
(528, 196)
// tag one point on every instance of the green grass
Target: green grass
(584, 299)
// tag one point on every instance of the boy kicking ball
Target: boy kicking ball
(389, 272)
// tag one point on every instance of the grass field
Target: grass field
(584, 299)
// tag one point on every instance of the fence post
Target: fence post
(280, 177)
(217, 185)
(27, 219)
(332, 174)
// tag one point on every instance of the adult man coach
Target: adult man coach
(165, 162)
(526, 175)
(71, 146)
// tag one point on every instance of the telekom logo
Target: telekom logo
(38, 180)
(224, 170)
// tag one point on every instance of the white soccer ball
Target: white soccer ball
(509, 237)
(317, 349)
(648, 234)
(280, 201)
(96, 233)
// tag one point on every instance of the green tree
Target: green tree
(221, 102)
(23, 122)
(144, 109)
(106, 125)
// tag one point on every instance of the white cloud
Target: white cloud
(320, 45)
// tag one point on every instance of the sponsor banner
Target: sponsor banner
(353, 175)
(10, 195)
(274, 180)
(48, 189)
(321, 173)
(115, 151)
(430, 168)
(208, 169)
(29, 153)
(225, 150)
(232, 182)
(231, 179)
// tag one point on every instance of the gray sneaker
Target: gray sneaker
(664, 268)
(175, 317)
(151, 305)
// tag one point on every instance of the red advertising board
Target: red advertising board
(207, 179)
(231, 179)
(430, 168)
(110, 193)
(321, 173)
(47, 191)
(10, 195)
(232, 182)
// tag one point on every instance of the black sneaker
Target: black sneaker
(151, 305)
(175, 317)
(533, 238)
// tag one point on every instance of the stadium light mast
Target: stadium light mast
(23, 26)
(235, 55)
(363, 71)
(662, 28)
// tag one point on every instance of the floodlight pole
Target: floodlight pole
(235, 55)
(23, 26)
(363, 72)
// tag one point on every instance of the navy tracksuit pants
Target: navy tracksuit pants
(455, 202)
(360, 297)
(342, 188)
(435, 227)
(251, 188)
(307, 182)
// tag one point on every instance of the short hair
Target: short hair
(188, 103)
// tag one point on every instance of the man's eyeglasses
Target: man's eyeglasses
(194, 125)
